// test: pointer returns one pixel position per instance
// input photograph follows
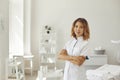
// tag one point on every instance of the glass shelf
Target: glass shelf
(47, 49)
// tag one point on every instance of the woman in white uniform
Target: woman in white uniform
(75, 50)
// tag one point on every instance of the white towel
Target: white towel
(106, 72)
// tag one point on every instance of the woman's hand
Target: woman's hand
(64, 56)
(78, 60)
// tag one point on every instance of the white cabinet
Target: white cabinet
(96, 60)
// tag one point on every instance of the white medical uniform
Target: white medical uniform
(74, 47)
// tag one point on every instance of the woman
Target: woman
(75, 50)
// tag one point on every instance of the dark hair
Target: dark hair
(86, 32)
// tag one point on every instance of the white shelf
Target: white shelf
(14, 63)
(47, 50)
(47, 54)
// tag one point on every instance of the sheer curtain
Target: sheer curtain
(16, 42)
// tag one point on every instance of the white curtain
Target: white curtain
(16, 45)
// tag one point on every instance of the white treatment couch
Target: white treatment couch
(105, 72)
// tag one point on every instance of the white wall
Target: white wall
(102, 15)
(3, 37)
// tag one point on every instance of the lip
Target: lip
(78, 32)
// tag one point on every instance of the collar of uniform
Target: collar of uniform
(80, 38)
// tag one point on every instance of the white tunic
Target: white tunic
(74, 47)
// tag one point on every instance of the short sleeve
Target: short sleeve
(85, 50)
(66, 44)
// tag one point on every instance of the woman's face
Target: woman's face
(78, 29)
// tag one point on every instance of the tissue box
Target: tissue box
(99, 51)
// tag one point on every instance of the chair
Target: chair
(15, 68)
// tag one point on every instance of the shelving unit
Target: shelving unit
(47, 51)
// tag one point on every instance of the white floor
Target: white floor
(29, 77)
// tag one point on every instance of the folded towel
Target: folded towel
(106, 72)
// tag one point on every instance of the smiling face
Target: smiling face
(78, 29)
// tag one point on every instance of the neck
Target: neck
(78, 37)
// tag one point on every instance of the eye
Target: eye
(76, 26)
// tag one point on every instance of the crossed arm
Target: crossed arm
(78, 60)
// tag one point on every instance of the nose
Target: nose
(78, 29)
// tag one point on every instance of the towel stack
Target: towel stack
(105, 72)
